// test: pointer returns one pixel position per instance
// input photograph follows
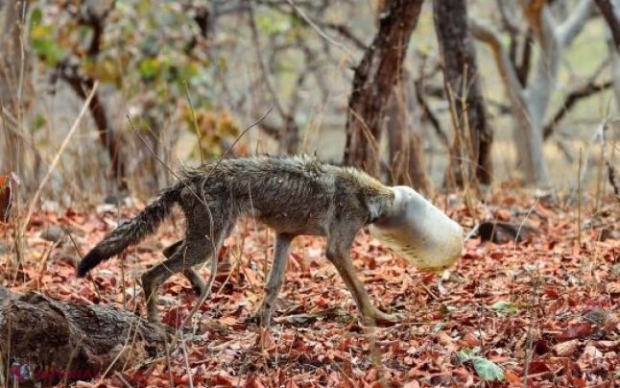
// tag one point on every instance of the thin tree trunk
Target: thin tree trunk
(97, 17)
(406, 155)
(470, 155)
(107, 137)
(374, 81)
(610, 9)
(17, 152)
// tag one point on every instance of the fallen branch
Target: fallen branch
(47, 341)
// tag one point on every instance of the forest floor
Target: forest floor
(539, 313)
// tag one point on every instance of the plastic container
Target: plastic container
(419, 232)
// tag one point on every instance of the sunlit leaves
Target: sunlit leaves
(210, 130)
(43, 41)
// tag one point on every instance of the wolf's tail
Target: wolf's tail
(132, 231)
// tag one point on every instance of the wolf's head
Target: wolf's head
(419, 232)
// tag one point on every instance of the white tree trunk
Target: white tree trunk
(530, 104)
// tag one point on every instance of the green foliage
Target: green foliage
(152, 47)
(43, 41)
(486, 369)
(39, 122)
(503, 307)
(156, 56)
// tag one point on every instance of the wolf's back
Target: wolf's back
(132, 231)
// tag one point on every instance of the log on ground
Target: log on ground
(47, 341)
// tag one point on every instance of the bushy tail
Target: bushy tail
(131, 232)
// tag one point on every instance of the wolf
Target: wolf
(293, 195)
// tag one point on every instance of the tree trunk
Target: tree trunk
(406, 154)
(45, 341)
(610, 9)
(529, 103)
(16, 149)
(107, 136)
(373, 83)
(470, 155)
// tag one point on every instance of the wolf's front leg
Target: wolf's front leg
(338, 253)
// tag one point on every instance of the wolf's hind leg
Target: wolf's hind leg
(172, 249)
(201, 242)
(198, 284)
(276, 277)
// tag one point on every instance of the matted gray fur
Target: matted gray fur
(292, 195)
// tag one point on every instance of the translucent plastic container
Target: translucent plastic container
(419, 232)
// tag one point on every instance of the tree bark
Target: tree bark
(373, 83)
(46, 341)
(470, 154)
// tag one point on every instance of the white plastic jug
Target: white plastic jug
(419, 232)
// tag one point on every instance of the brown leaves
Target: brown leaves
(577, 330)
(543, 310)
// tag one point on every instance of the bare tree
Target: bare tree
(93, 15)
(529, 100)
(470, 154)
(406, 163)
(373, 83)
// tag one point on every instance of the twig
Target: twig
(347, 33)
(429, 114)
(322, 34)
(572, 98)
(56, 159)
(579, 194)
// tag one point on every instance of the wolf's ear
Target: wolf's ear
(397, 205)
(376, 208)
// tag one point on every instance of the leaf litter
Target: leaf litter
(540, 312)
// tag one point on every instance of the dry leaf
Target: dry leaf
(565, 349)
